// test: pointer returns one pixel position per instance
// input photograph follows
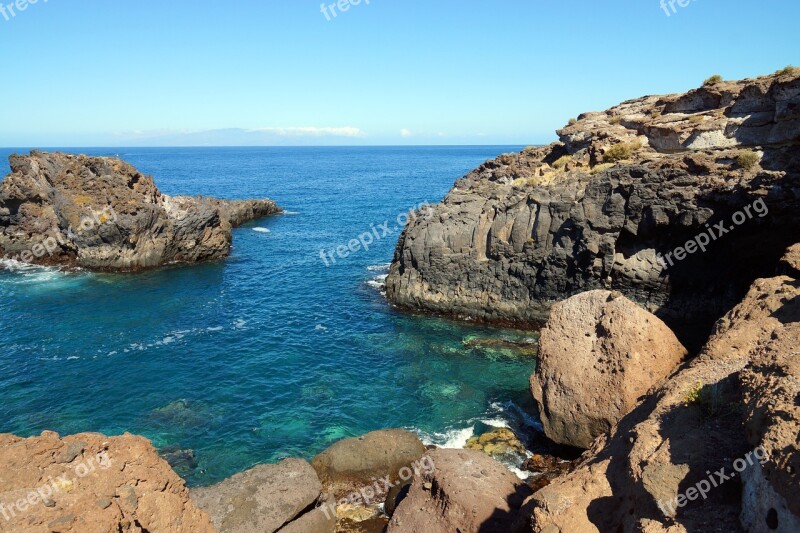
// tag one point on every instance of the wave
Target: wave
(383, 267)
(262, 230)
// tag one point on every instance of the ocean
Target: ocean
(276, 352)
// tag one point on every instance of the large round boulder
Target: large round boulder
(599, 354)
(352, 464)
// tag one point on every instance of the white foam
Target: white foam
(378, 282)
(454, 439)
(379, 268)
(291, 213)
(262, 230)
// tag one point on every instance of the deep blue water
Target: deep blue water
(270, 353)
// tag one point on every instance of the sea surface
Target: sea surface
(271, 353)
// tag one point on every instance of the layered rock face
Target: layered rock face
(100, 213)
(594, 210)
(712, 449)
(90, 482)
(599, 354)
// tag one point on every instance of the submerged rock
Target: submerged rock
(599, 354)
(90, 482)
(500, 443)
(100, 213)
(593, 211)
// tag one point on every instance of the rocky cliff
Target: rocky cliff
(101, 213)
(598, 208)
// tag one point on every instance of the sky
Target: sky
(78, 73)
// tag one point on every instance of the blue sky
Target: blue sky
(179, 72)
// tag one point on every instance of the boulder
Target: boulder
(599, 354)
(100, 213)
(265, 498)
(351, 464)
(466, 491)
(90, 482)
(736, 394)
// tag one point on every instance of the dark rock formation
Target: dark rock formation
(594, 210)
(100, 213)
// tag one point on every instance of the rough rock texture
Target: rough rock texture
(695, 423)
(351, 464)
(529, 229)
(599, 354)
(89, 482)
(772, 395)
(265, 498)
(100, 213)
(468, 491)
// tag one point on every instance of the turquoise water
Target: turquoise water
(271, 353)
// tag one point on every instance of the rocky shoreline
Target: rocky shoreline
(101, 214)
(675, 374)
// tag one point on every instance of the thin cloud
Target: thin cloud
(312, 132)
(405, 133)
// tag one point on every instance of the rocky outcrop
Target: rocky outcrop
(688, 458)
(266, 499)
(594, 210)
(100, 213)
(90, 482)
(599, 354)
(352, 464)
(467, 491)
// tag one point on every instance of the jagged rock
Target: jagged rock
(599, 354)
(467, 491)
(265, 498)
(90, 482)
(527, 230)
(692, 425)
(100, 213)
(351, 464)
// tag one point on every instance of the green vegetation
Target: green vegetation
(562, 161)
(713, 80)
(707, 397)
(622, 151)
(788, 71)
(747, 159)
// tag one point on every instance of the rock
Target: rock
(467, 491)
(90, 482)
(631, 479)
(396, 495)
(772, 407)
(598, 356)
(357, 513)
(316, 521)
(99, 213)
(518, 234)
(500, 443)
(351, 464)
(373, 525)
(182, 461)
(265, 498)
